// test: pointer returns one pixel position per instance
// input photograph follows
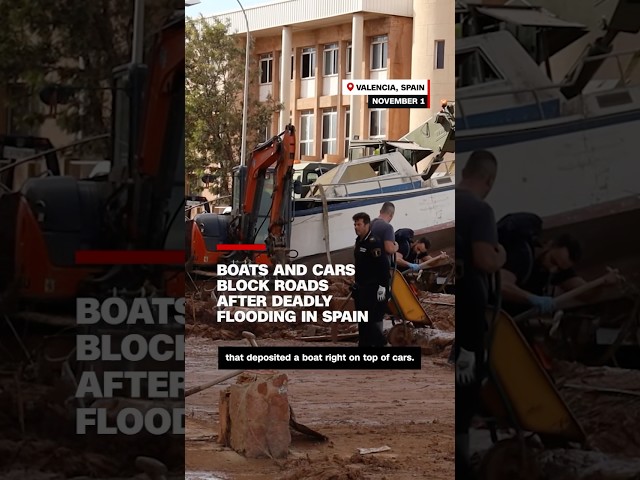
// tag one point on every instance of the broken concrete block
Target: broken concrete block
(259, 415)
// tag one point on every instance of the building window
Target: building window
(348, 58)
(439, 54)
(347, 129)
(331, 59)
(307, 131)
(377, 123)
(292, 65)
(21, 106)
(379, 53)
(265, 132)
(266, 68)
(329, 131)
(308, 63)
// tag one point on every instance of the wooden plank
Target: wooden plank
(334, 332)
(322, 338)
(224, 434)
(596, 389)
(46, 319)
(325, 222)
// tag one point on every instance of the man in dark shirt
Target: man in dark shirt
(410, 255)
(533, 276)
(381, 228)
(372, 279)
(478, 256)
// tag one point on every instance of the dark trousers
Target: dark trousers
(468, 403)
(370, 333)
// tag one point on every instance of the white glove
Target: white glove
(465, 367)
(557, 320)
(382, 293)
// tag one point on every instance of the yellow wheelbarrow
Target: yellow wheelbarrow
(405, 310)
(520, 394)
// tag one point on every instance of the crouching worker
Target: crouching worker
(372, 279)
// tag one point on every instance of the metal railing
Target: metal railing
(623, 80)
(376, 186)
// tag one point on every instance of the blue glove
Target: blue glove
(414, 267)
(544, 305)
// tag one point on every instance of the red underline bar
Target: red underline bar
(254, 247)
(130, 257)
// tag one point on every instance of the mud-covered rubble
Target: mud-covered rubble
(357, 467)
(433, 341)
(606, 403)
(201, 321)
(38, 438)
(586, 465)
(441, 309)
(47, 457)
(610, 420)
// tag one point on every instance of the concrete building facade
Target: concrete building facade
(332, 40)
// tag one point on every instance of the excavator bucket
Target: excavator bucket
(404, 303)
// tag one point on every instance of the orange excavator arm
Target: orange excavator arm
(261, 159)
(279, 151)
(282, 181)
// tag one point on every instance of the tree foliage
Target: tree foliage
(73, 43)
(215, 71)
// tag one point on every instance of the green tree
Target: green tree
(215, 68)
(75, 44)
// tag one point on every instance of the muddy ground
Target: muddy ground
(410, 411)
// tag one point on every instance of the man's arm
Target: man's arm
(511, 292)
(590, 296)
(389, 238)
(573, 283)
(382, 272)
(487, 257)
(429, 260)
(390, 246)
(400, 261)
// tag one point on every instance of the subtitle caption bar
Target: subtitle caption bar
(319, 358)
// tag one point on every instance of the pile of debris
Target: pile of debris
(606, 402)
(38, 438)
(441, 310)
(201, 321)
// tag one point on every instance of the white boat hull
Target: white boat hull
(422, 211)
(553, 173)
